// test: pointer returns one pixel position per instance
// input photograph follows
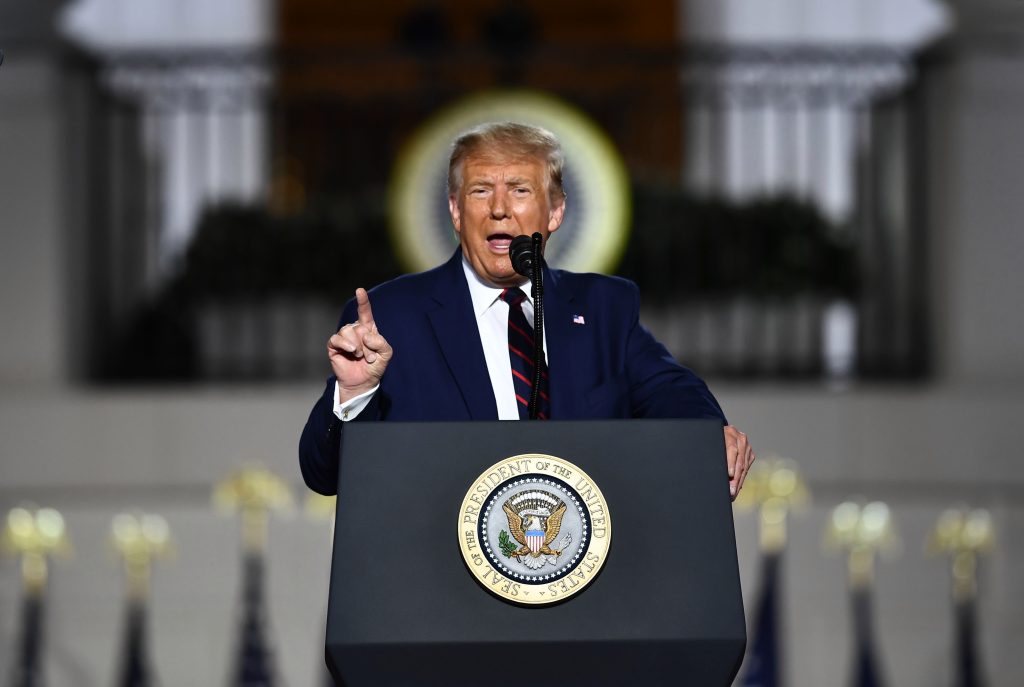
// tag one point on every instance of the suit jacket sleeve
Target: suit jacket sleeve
(659, 386)
(320, 443)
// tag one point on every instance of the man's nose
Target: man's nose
(499, 204)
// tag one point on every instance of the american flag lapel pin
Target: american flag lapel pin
(578, 319)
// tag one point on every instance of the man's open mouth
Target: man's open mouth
(499, 242)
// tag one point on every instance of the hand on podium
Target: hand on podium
(739, 456)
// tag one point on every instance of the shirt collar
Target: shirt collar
(483, 294)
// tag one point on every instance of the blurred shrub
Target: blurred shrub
(246, 252)
(685, 247)
(243, 254)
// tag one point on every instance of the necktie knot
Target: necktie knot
(513, 296)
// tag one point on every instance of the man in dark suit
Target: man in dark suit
(440, 345)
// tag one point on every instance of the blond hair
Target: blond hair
(508, 141)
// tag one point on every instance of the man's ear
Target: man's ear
(556, 215)
(456, 213)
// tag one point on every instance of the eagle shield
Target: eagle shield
(534, 519)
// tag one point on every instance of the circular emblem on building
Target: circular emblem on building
(534, 529)
(593, 234)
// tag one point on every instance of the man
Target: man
(445, 344)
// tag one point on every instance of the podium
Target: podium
(406, 610)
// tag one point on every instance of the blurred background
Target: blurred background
(822, 202)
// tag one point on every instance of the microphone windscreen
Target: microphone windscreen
(520, 252)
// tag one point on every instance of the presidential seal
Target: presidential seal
(534, 529)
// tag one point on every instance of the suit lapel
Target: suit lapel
(458, 337)
(567, 379)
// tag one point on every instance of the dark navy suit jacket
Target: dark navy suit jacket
(602, 362)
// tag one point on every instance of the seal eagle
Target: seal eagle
(531, 521)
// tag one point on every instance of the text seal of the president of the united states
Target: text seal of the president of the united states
(534, 529)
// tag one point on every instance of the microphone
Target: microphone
(520, 252)
(525, 252)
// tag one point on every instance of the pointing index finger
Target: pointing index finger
(363, 307)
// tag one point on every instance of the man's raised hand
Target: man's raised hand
(358, 353)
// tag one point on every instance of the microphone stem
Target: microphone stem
(538, 323)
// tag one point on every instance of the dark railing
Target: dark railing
(224, 206)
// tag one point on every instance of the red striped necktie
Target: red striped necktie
(520, 352)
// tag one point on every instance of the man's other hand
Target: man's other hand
(358, 353)
(739, 456)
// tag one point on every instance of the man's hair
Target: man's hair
(508, 141)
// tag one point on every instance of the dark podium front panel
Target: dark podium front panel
(404, 610)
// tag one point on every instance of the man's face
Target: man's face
(499, 200)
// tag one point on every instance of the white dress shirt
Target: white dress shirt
(492, 322)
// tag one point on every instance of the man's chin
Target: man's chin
(502, 272)
(497, 271)
(505, 278)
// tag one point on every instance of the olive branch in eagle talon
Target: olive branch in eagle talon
(518, 525)
(507, 547)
